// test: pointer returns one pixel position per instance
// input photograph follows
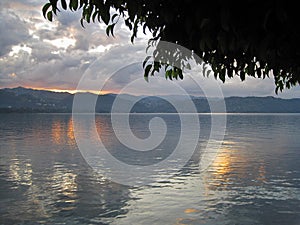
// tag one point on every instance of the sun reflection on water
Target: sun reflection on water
(64, 181)
(20, 172)
(57, 132)
(234, 164)
(62, 132)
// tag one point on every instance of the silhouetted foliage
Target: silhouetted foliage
(249, 37)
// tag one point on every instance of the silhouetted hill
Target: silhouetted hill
(28, 100)
(262, 105)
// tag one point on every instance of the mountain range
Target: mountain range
(22, 99)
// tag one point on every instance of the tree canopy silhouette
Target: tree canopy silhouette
(250, 37)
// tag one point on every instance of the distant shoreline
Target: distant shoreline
(160, 113)
(24, 100)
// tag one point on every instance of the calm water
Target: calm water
(255, 178)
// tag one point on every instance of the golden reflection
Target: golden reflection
(37, 205)
(234, 164)
(70, 132)
(191, 210)
(20, 173)
(184, 221)
(104, 130)
(222, 164)
(221, 170)
(56, 132)
(63, 132)
(262, 172)
(64, 181)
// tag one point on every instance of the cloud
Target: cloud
(67, 18)
(13, 31)
(59, 52)
(37, 53)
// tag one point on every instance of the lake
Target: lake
(254, 179)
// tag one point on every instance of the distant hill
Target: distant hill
(28, 100)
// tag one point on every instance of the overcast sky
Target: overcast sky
(55, 55)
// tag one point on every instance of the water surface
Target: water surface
(255, 178)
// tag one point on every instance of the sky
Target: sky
(56, 55)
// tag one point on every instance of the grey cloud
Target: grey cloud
(15, 64)
(27, 2)
(13, 31)
(42, 51)
(63, 73)
(82, 43)
(47, 65)
(67, 18)
(47, 34)
(250, 87)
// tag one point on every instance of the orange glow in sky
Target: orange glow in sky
(73, 91)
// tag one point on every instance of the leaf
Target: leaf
(258, 73)
(108, 30)
(45, 9)
(146, 60)
(132, 9)
(135, 28)
(54, 6)
(81, 22)
(112, 29)
(188, 66)
(64, 4)
(175, 73)
(88, 17)
(242, 75)
(204, 70)
(94, 15)
(230, 72)
(132, 38)
(81, 2)
(147, 70)
(180, 74)
(169, 73)
(276, 90)
(208, 72)
(49, 16)
(251, 69)
(157, 65)
(73, 4)
(222, 75)
(114, 16)
(148, 48)
(105, 16)
(144, 28)
(128, 24)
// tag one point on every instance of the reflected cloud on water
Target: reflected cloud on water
(255, 178)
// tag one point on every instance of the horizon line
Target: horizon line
(56, 90)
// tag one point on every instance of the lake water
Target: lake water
(255, 178)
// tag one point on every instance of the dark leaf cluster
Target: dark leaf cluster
(243, 38)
